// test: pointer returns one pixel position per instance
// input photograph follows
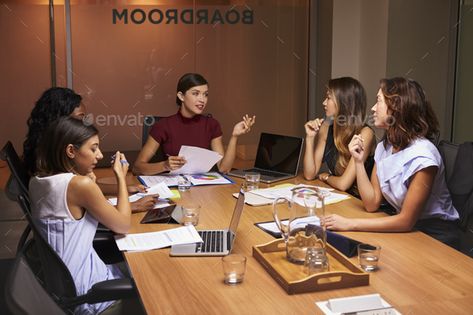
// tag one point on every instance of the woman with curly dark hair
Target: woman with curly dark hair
(59, 102)
(409, 172)
(54, 103)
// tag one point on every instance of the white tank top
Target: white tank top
(71, 239)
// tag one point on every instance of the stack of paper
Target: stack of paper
(372, 304)
(210, 178)
(286, 191)
(153, 240)
(161, 189)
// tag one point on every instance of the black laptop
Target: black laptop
(277, 158)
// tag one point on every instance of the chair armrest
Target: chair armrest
(104, 291)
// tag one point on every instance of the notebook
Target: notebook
(277, 158)
(215, 242)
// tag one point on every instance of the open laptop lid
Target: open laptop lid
(237, 214)
(279, 153)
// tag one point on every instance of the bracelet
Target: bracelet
(326, 177)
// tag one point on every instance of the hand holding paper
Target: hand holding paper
(199, 160)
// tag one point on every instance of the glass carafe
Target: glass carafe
(305, 227)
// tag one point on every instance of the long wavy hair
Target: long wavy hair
(411, 114)
(350, 100)
(54, 103)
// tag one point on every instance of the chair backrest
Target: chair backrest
(16, 166)
(57, 278)
(448, 150)
(148, 122)
(24, 294)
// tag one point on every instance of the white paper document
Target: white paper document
(160, 188)
(151, 180)
(371, 304)
(286, 192)
(272, 228)
(198, 160)
(154, 240)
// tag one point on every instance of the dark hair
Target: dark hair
(54, 103)
(51, 152)
(187, 81)
(350, 99)
(411, 114)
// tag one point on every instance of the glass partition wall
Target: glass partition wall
(128, 55)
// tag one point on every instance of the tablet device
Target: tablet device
(159, 215)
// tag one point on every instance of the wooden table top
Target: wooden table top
(417, 274)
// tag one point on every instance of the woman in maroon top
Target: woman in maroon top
(189, 127)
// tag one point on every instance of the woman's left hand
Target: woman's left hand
(338, 223)
(324, 176)
(244, 126)
(136, 188)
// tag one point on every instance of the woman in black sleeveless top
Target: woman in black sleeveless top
(327, 139)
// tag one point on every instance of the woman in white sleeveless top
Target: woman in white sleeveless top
(67, 204)
(408, 172)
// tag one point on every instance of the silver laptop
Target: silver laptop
(277, 158)
(216, 242)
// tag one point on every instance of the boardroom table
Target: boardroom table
(417, 274)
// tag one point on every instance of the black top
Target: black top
(331, 156)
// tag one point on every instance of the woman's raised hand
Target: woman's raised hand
(174, 162)
(312, 127)
(357, 148)
(244, 126)
(120, 165)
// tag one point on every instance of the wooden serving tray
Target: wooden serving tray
(292, 277)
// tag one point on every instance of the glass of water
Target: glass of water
(252, 181)
(368, 256)
(316, 261)
(190, 213)
(183, 183)
(234, 266)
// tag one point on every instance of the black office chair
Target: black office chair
(17, 169)
(58, 280)
(448, 150)
(23, 292)
(17, 183)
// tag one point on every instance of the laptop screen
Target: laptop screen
(237, 212)
(278, 153)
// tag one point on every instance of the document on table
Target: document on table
(371, 304)
(272, 228)
(169, 180)
(160, 188)
(286, 191)
(154, 240)
(198, 160)
(209, 178)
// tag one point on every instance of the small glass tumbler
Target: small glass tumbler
(368, 256)
(183, 183)
(234, 266)
(316, 261)
(252, 181)
(190, 214)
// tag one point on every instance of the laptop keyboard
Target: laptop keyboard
(213, 242)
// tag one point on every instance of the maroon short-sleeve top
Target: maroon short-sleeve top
(174, 131)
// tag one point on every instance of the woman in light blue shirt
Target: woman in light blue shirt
(408, 172)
